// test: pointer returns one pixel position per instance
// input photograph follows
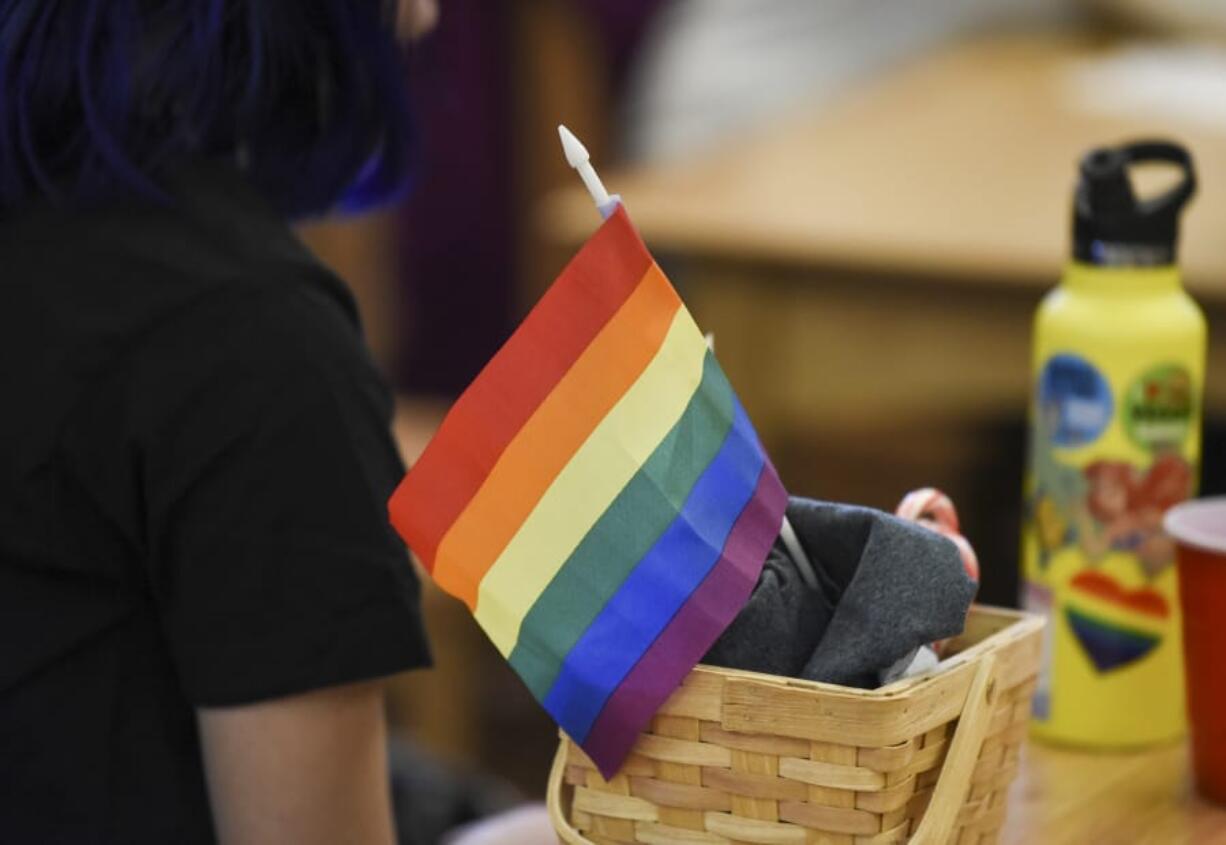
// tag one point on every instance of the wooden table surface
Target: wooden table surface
(926, 210)
(958, 165)
(1063, 796)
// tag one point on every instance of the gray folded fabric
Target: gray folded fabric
(886, 586)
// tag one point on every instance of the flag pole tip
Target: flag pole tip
(576, 153)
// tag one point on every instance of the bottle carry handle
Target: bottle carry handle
(1099, 162)
(1162, 151)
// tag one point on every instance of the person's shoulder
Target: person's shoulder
(274, 357)
(274, 294)
(242, 279)
(268, 319)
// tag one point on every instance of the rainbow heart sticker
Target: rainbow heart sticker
(1114, 626)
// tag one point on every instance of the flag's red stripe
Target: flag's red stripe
(492, 410)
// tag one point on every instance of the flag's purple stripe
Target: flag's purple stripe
(661, 582)
(692, 631)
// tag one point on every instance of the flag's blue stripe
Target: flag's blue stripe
(659, 585)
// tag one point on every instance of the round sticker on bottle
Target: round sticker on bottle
(1074, 401)
(1158, 407)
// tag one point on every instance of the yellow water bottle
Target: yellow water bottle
(1119, 360)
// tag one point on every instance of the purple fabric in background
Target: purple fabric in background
(620, 25)
(457, 230)
(456, 247)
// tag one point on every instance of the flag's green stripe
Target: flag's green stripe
(623, 534)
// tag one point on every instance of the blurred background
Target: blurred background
(863, 200)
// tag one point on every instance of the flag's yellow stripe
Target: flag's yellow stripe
(586, 486)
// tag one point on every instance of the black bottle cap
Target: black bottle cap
(1111, 227)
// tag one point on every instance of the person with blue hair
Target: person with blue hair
(199, 590)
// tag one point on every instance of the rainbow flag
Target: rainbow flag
(597, 496)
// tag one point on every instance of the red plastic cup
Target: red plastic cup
(1199, 530)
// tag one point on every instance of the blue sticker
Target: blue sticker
(1074, 401)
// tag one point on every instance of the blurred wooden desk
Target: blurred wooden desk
(901, 237)
(1075, 798)
(959, 164)
(871, 270)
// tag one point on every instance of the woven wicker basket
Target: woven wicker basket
(741, 757)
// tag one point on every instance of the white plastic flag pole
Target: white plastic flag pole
(578, 158)
(792, 543)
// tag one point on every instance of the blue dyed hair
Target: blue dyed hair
(100, 98)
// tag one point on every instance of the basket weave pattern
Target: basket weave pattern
(738, 757)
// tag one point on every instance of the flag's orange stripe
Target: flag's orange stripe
(600, 377)
(513, 384)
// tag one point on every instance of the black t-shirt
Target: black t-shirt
(194, 463)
